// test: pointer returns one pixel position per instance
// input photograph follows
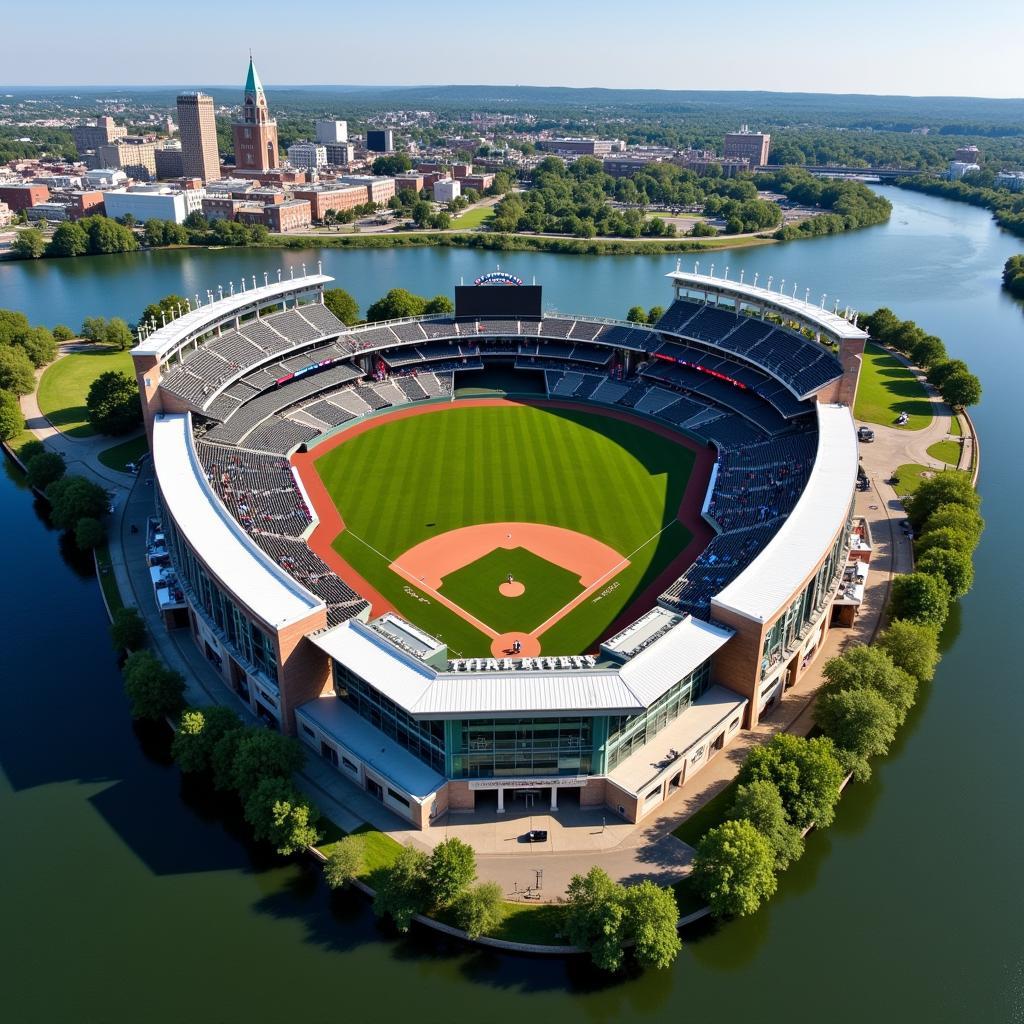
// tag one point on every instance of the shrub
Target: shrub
(480, 909)
(12, 422)
(72, 498)
(43, 469)
(734, 868)
(62, 333)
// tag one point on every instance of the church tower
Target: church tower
(256, 131)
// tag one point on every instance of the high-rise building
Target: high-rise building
(380, 140)
(256, 131)
(340, 154)
(307, 154)
(135, 156)
(197, 128)
(92, 136)
(747, 145)
(331, 132)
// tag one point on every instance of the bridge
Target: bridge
(826, 171)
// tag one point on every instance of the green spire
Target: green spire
(252, 81)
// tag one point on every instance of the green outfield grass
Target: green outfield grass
(408, 480)
(65, 384)
(474, 588)
(888, 388)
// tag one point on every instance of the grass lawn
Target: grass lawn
(19, 442)
(711, 814)
(888, 388)
(423, 476)
(473, 218)
(911, 475)
(954, 426)
(945, 451)
(474, 588)
(106, 578)
(117, 455)
(65, 384)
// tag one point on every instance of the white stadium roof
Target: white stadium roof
(832, 324)
(166, 339)
(428, 693)
(789, 557)
(216, 537)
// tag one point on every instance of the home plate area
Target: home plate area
(510, 580)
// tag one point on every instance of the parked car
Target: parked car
(537, 835)
(865, 434)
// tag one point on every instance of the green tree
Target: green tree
(94, 328)
(871, 667)
(733, 868)
(342, 305)
(12, 422)
(941, 489)
(107, 236)
(39, 345)
(860, 721)
(637, 315)
(72, 498)
(69, 239)
(398, 302)
(62, 333)
(479, 909)
(279, 815)
(12, 326)
(945, 537)
(938, 373)
(912, 647)
(439, 304)
(655, 313)
(345, 861)
(960, 518)
(961, 390)
(113, 403)
(806, 773)
(30, 244)
(954, 566)
(43, 469)
(928, 350)
(153, 690)
(403, 890)
(199, 732)
(651, 918)
(222, 759)
(89, 533)
(392, 165)
(169, 307)
(595, 917)
(264, 754)
(452, 869)
(921, 597)
(118, 333)
(17, 374)
(760, 803)
(127, 629)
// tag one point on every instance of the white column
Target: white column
(554, 798)
(501, 799)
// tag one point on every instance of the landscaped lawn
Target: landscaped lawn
(106, 577)
(65, 385)
(473, 218)
(888, 388)
(408, 480)
(711, 814)
(945, 451)
(954, 426)
(127, 451)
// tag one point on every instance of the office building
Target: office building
(197, 127)
(89, 137)
(748, 145)
(23, 197)
(331, 132)
(169, 162)
(135, 156)
(256, 131)
(380, 140)
(378, 188)
(340, 154)
(291, 215)
(581, 147)
(338, 198)
(104, 177)
(307, 154)
(446, 189)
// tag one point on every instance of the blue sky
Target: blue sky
(897, 46)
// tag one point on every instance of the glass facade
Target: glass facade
(250, 642)
(627, 733)
(496, 747)
(791, 626)
(424, 739)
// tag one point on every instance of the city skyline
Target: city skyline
(878, 49)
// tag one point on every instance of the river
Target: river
(127, 897)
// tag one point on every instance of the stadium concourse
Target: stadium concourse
(762, 381)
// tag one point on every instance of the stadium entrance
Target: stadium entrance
(526, 795)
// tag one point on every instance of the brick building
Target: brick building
(322, 198)
(22, 197)
(291, 215)
(256, 132)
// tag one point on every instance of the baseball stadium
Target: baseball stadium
(506, 551)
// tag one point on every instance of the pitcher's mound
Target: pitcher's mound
(513, 589)
(501, 647)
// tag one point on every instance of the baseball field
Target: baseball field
(504, 527)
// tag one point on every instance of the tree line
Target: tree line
(1007, 207)
(851, 204)
(1013, 276)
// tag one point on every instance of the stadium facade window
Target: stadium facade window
(249, 642)
(496, 747)
(425, 740)
(627, 733)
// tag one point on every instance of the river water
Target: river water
(127, 897)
